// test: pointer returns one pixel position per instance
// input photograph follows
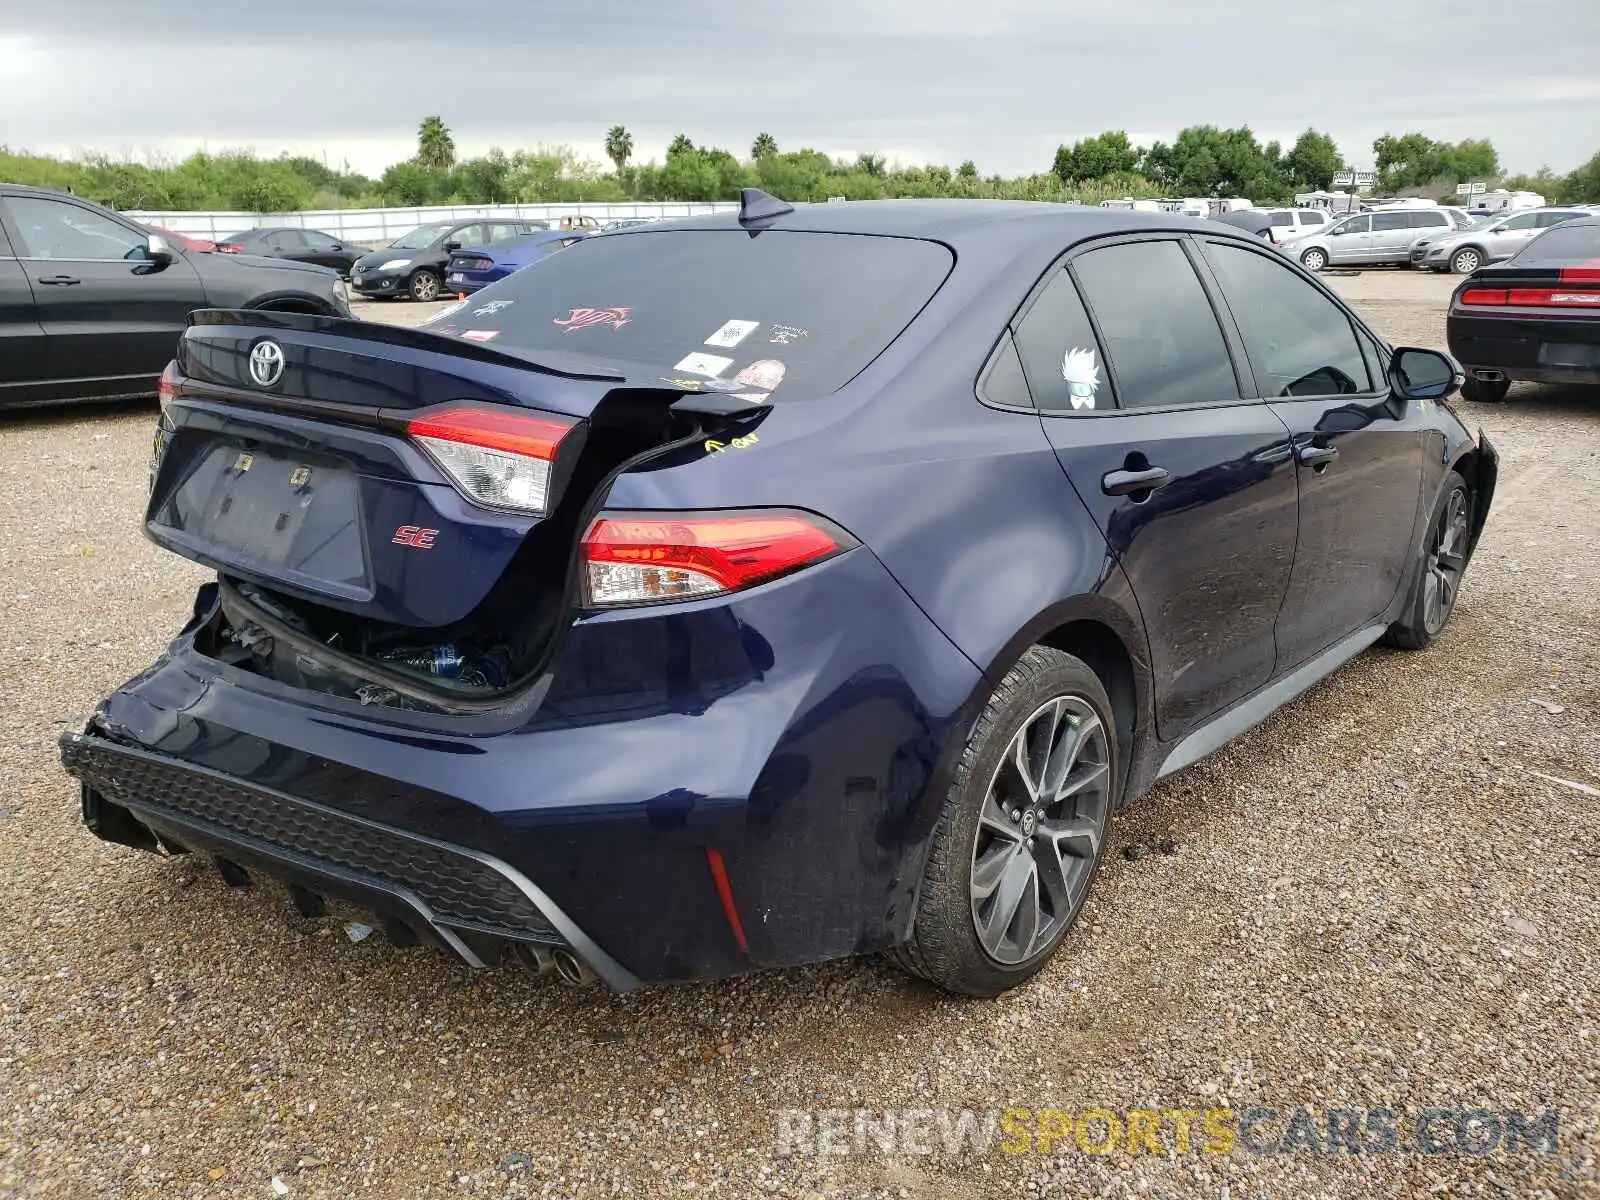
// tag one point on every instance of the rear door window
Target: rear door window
(287, 241)
(1282, 219)
(718, 309)
(1390, 221)
(469, 235)
(1059, 354)
(1160, 332)
(1313, 217)
(1299, 342)
(1547, 219)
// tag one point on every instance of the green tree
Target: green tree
(412, 184)
(1091, 158)
(765, 146)
(967, 170)
(619, 146)
(870, 164)
(485, 180)
(436, 148)
(679, 145)
(1313, 161)
(1583, 185)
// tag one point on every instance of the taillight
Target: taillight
(229, 248)
(499, 458)
(1587, 273)
(644, 557)
(1542, 297)
(471, 264)
(165, 390)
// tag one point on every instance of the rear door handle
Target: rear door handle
(1316, 456)
(62, 280)
(1124, 483)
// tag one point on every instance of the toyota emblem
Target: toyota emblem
(266, 363)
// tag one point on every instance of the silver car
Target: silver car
(1466, 251)
(1373, 239)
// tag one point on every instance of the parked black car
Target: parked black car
(296, 245)
(413, 265)
(1535, 316)
(92, 305)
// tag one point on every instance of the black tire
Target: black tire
(1441, 566)
(1485, 391)
(945, 946)
(1466, 260)
(424, 285)
(1314, 259)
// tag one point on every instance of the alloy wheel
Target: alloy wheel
(424, 285)
(1447, 559)
(1039, 833)
(1466, 262)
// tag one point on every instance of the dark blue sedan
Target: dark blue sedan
(477, 267)
(771, 587)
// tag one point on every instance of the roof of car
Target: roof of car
(950, 220)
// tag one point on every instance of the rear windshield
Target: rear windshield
(1569, 244)
(714, 309)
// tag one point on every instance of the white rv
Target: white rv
(1132, 205)
(1502, 201)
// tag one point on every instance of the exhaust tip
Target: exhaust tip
(1487, 375)
(535, 960)
(571, 970)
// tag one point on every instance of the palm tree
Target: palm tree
(436, 149)
(619, 146)
(765, 146)
(680, 145)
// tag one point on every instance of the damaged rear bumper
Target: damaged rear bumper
(468, 902)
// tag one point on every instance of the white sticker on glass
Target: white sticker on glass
(732, 333)
(1082, 376)
(709, 365)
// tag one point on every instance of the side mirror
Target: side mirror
(452, 245)
(1417, 374)
(338, 245)
(158, 251)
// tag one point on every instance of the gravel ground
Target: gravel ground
(1376, 899)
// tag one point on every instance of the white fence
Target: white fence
(376, 226)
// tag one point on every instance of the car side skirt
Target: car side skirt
(1254, 709)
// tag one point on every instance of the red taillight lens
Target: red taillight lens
(638, 558)
(1572, 297)
(1587, 273)
(229, 248)
(499, 458)
(165, 389)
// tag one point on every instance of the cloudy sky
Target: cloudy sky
(999, 81)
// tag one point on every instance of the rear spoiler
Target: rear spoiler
(413, 337)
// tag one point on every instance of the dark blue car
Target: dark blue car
(770, 587)
(477, 267)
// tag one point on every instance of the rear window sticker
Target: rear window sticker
(443, 329)
(489, 309)
(720, 385)
(1082, 376)
(753, 397)
(739, 443)
(692, 385)
(784, 335)
(709, 365)
(732, 333)
(765, 374)
(582, 318)
(479, 335)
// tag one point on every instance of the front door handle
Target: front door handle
(1124, 483)
(1316, 456)
(61, 280)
